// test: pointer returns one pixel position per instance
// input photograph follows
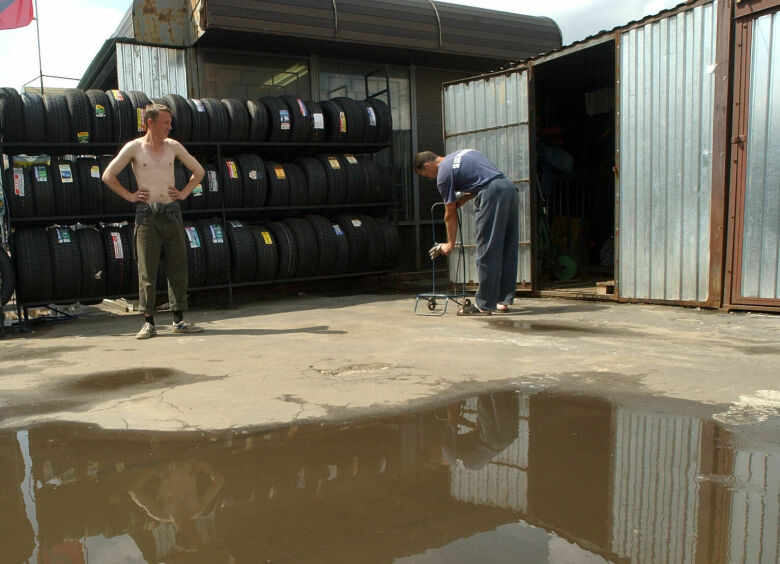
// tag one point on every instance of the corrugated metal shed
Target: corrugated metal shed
(491, 114)
(666, 106)
(154, 70)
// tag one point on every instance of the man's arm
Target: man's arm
(451, 223)
(118, 165)
(193, 166)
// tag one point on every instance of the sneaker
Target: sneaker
(147, 332)
(186, 327)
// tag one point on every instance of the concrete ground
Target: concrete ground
(306, 358)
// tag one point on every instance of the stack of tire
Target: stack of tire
(86, 264)
(114, 116)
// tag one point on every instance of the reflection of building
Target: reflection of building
(582, 480)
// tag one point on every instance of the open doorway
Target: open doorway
(575, 145)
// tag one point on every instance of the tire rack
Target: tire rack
(265, 149)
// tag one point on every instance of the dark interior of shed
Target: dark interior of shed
(575, 146)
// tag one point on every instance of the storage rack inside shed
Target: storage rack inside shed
(334, 153)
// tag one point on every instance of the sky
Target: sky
(72, 32)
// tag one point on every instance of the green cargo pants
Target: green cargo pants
(161, 234)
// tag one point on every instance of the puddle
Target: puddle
(503, 477)
(116, 379)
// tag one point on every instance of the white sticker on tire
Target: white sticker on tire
(94, 171)
(19, 182)
(65, 173)
(116, 240)
(284, 117)
(337, 229)
(199, 105)
(371, 116)
(213, 183)
(357, 222)
(319, 121)
(192, 235)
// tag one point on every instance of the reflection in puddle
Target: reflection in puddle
(503, 477)
(120, 379)
(513, 326)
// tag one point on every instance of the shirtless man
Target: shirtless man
(158, 221)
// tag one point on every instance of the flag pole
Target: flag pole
(38, 32)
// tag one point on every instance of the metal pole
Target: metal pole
(38, 33)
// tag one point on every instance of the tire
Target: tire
(181, 176)
(80, 119)
(336, 177)
(217, 252)
(7, 278)
(316, 180)
(196, 256)
(278, 185)
(43, 190)
(34, 118)
(123, 125)
(200, 121)
(131, 282)
(219, 122)
(306, 245)
(242, 252)
(392, 243)
(266, 253)
(182, 118)
(317, 122)
(301, 120)
(371, 124)
(66, 264)
(253, 180)
(259, 121)
(376, 243)
(356, 178)
(358, 240)
(298, 187)
(67, 188)
(238, 117)
(384, 120)
(212, 187)
(12, 126)
(139, 101)
(280, 129)
(34, 278)
(356, 122)
(287, 249)
(119, 261)
(230, 179)
(19, 193)
(101, 117)
(335, 122)
(372, 189)
(93, 264)
(327, 246)
(112, 202)
(197, 199)
(57, 118)
(341, 265)
(92, 189)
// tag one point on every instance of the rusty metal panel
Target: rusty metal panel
(491, 114)
(162, 21)
(666, 106)
(154, 70)
(655, 493)
(760, 274)
(755, 508)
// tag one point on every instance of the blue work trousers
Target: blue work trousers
(498, 230)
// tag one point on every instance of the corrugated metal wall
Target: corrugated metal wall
(503, 482)
(755, 509)
(665, 156)
(154, 70)
(491, 115)
(761, 243)
(655, 494)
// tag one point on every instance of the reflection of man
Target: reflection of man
(495, 429)
(170, 494)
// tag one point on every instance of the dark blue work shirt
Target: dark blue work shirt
(464, 171)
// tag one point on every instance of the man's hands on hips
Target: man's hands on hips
(174, 194)
(140, 195)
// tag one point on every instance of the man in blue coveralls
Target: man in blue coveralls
(465, 175)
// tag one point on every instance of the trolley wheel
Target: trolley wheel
(432, 304)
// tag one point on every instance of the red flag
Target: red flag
(15, 13)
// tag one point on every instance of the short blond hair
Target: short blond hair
(152, 112)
